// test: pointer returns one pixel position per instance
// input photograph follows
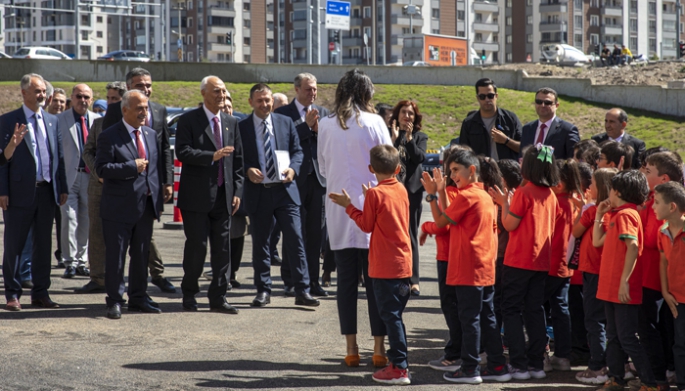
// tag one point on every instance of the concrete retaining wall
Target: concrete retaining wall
(651, 98)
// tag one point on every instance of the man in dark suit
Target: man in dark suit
(208, 144)
(141, 80)
(615, 122)
(127, 161)
(32, 185)
(270, 193)
(549, 129)
(311, 185)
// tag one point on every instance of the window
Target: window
(247, 23)
(578, 21)
(652, 26)
(509, 57)
(246, 6)
(435, 31)
(200, 5)
(669, 25)
(246, 58)
(84, 35)
(633, 25)
(652, 8)
(190, 39)
(529, 2)
(509, 3)
(633, 44)
(594, 20)
(435, 13)
(189, 5)
(578, 4)
(460, 15)
(109, 20)
(220, 57)
(223, 21)
(299, 34)
(478, 37)
(509, 38)
(355, 52)
(356, 12)
(367, 31)
(594, 39)
(98, 49)
(529, 19)
(98, 19)
(291, 16)
(495, 37)
(367, 12)
(355, 33)
(578, 41)
(509, 20)
(200, 23)
(594, 3)
(300, 15)
(99, 34)
(270, 43)
(546, 37)
(190, 22)
(652, 45)
(190, 57)
(478, 18)
(529, 38)
(246, 41)
(633, 6)
(405, 30)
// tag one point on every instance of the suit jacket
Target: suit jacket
(18, 176)
(195, 147)
(474, 134)
(125, 191)
(160, 126)
(562, 135)
(286, 140)
(637, 144)
(89, 151)
(71, 142)
(415, 155)
(308, 141)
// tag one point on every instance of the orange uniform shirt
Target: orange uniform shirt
(442, 235)
(558, 267)
(674, 250)
(386, 217)
(530, 244)
(590, 256)
(473, 238)
(624, 223)
(650, 258)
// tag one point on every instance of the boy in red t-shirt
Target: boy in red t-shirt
(386, 217)
(669, 205)
(620, 277)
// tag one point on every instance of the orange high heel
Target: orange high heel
(379, 361)
(352, 360)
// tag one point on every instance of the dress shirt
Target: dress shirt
(619, 138)
(44, 154)
(259, 137)
(547, 127)
(130, 130)
(300, 109)
(210, 118)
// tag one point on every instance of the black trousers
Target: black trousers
(198, 227)
(415, 208)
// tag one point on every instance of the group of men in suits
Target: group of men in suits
(498, 134)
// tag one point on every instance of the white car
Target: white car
(40, 53)
(3, 55)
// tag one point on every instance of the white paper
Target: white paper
(283, 162)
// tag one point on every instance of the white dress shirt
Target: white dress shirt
(43, 150)
(547, 126)
(344, 162)
(130, 130)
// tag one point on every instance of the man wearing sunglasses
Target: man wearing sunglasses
(491, 131)
(549, 129)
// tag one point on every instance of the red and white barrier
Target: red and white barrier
(178, 218)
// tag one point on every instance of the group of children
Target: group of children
(511, 239)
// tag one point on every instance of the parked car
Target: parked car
(40, 53)
(125, 55)
(435, 158)
(4, 55)
(416, 64)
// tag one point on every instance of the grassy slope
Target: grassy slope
(443, 107)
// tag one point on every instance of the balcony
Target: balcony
(489, 27)
(488, 46)
(557, 8)
(407, 2)
(355, 21)
(221, 30)
(403, 20)
(218, 47)
(554, 26)
(609, 10)
(668, 53)
(352, 42)
(394, 39)
(225, 12)
(668, 16)
(613, 29)
(485, 6)
(669, 34)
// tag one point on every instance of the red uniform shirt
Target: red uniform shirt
(650, 258)
(442, 235)
(530, 244)
(674, 250)
(624, 223)
(473, 238)
(558, 266)
(590, 256)
(386, 217)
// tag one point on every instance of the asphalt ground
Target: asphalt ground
(281, 346)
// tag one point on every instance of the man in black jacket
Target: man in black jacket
(549, 129)
(615, 122)
(491, 131)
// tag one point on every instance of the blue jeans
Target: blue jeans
(392, 296)
(448, 305)
(622, 340)
(556, 291)
(679, 347)
(25, 260)
(649, 331)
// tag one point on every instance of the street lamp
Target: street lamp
(180, 7)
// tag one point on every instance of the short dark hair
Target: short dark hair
(537, 171)
(464, 158)
(134, 73)
(631, 185)
(446, 157)
(511, 172)
(119, 86)
(614, 150)
(259, 87)
(484, 82)
(642, 158)
(582, 146)
(381, 108)
(384, 159)
(585, 171)
(667, 163)
(490, 174)
(672, 192)
(547, 90)
(591, 155)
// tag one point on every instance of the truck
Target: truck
(434, 50)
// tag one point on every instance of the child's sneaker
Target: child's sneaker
(630, 372)
(611, 385)
(518, 374)
(670, 376)
(537, 373)
(500, 374)
(560, 364)
(443, 364)
(589, 376)
(392, 375)
(462, 376)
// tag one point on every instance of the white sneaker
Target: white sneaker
(518, 374)
(442, 364)
(589, 376)
(630, 372)
(560, 364)
(537, 373)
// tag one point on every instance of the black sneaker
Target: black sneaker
(463, 376)
(499, 375)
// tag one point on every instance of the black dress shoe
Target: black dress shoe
(144, 307)
(60, 264)
(69, 272)
(27, 284)
(82, 271)
(189, 304)
(44, 302)
(224, 308)
(90, 287)
(307, 300)
(164, 285)
(261, 300)
(235, 283)
(151, 302)
(114, 312)
(289, 291)
(317, 290)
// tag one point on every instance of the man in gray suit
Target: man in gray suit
(74, 125)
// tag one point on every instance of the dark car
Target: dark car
(125, 55)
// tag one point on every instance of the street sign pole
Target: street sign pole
(338, 18)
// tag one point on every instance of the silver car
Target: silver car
(125, 55)
(40, 53)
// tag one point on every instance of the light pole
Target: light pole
(180, 7)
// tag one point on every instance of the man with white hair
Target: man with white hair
(280, 99)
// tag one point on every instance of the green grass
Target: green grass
(443, 107)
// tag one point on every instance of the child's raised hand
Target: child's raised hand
(672, 304)
(578, 200)
(498, 195)
(429, 183)
(340, 199)
(422, 238)
(439, 178)
(603, 207)
(365, 188)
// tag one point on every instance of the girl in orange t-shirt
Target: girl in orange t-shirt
(530, 219)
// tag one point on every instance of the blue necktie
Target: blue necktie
(268, 154)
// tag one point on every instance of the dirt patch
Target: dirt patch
(10, 98)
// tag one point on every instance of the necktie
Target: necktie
(217, 138)
(42, 153)
(84, 130)
(139, 145)
(268, 154)
(541, 136)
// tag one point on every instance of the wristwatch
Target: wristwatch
(431, 197)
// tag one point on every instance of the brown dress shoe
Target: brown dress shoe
(44, 302)
(13, 305)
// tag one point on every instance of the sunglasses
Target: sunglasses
(489, 96)
(543, 102)
(82, 97)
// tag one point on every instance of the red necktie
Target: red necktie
(541, 136)
(84, 130)
(139, 145)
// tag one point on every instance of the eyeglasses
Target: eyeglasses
(489, 96)
(86, 97)
(543, 102)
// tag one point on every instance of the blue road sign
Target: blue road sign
(340, 8)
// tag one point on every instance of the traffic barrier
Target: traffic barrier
(178, 218)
